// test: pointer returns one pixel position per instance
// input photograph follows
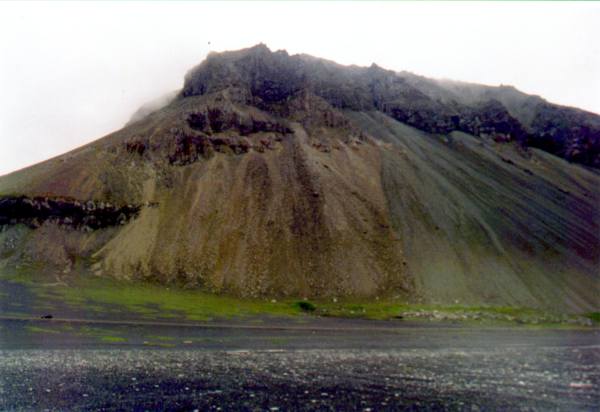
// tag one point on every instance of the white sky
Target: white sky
(73, 72)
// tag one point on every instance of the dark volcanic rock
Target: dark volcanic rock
(33, 212)
(267, 79)
(492, 119)
(211, 129)
(567, 132)
(216, 120)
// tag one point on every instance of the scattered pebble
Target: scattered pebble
(287, 378)
(580, 385)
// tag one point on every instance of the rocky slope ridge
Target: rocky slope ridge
(271, 174)
(266, 79)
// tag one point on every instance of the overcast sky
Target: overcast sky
(73, 72)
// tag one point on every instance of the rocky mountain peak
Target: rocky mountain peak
(270, 78)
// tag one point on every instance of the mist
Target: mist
(71, 73)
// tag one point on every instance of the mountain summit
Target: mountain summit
(278, 175)
(265, 79)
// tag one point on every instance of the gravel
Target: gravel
(508, 377)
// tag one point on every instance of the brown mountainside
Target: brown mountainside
(271, 175)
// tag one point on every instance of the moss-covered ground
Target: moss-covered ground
(91, 295)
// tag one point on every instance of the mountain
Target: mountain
(276, 175)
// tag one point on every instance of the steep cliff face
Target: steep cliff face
(266, 79)
(272, 174)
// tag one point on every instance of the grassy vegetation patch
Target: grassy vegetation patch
(101, 333)
(112, 339)
(305, 306)
(161, 338)
(159, 344)
(110, 297)
(37, 329)
(154, 300)
(594, 316)
(20, 275)
(476, 314)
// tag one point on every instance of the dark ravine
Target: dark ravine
(276, 175)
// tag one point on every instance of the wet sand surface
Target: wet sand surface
(328, 364)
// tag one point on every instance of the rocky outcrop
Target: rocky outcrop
(269, 79)
(212, 129)
(85, 215)
(214, 120)
(567, 132)
(490, 119)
